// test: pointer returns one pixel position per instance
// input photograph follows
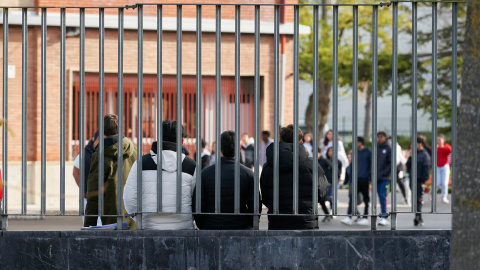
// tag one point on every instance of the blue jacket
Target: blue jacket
(384, 161)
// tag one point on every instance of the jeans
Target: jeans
(382, 194)
(443, 175)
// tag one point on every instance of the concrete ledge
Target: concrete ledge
(225, 249)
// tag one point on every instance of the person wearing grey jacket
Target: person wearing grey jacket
(384, 169)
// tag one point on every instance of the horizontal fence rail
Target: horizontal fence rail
(207, 104)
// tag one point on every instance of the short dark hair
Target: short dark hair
(227, 143)
(382, 133)
(204, 143)
(266, 132)
(360, 139)
(421, 140)
(170, 131)
(110, 125)
(286, 134)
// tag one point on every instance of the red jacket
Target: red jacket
(442, 155)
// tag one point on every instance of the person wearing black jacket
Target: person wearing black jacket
(227, 199)
(423, 173)
(384, 169)
(327, 166)
(285, 185)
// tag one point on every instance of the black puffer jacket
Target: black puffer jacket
(227, 199)
(286, 189)
(423, 166)
(384, 162)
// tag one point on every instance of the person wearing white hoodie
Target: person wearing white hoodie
(169, 221)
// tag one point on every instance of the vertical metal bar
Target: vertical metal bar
(413, 176)
(373, 223)
(335, 108)
(454, 94)
(24, 108)
(159, 108)
(120, 120)
(5, 121)
(43, 139)
(295, 105)
(198, 183)
(101, 112)
(237, 111)
(257, 117)
(179, 109)
(434, 107)
(276, 41)
(218, 104)
(62, 110)
(81, 112)
(394, 112)
(315, 114)
(140, 116)
(355, 112)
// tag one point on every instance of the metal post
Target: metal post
(81, 112)
(276, 132)
(237, 111)
(120, 120)
(454, 93)
(434, 107)
(140, 116)
(295, 106)
(394, 112)
(43, 139)
(413, 176)
(256, 204)
(373, 223)
(101, 112)
(5, 122)
(218, 104)
(179, 109)
(159, 108)
(315, 114)
(24, 108)
(198, 183)
(335, 108)
(355, 114)
(62, 110)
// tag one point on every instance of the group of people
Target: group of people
(173, 215)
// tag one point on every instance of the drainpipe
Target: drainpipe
(283, 40)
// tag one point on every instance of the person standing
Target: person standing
(206, 221)
(109, 192)
(262, 151)
(248, 150)
(306, 221)
(443, 168)
(307, 143)
(205, 155)
(182, 221)
(423, 173)
(327, 166)
(342, 155)
(384, 170)
(364, 165)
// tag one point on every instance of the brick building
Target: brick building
(130, 76)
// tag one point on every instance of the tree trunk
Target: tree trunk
(323, 109)
(465, 250)
(367, 124)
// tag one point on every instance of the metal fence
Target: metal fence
(393, 6)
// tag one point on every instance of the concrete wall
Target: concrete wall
(225, 250)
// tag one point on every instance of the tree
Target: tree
(465, 251)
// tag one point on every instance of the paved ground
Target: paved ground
(405, 221)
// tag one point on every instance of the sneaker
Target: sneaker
(418, 222)
(445, 200)
(331, 214)
(327, 219)
(383, 222)
(363, 222)
(347, 221)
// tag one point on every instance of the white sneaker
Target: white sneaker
(445, 200)
(363, 222)
(347, 221)
(383, 222)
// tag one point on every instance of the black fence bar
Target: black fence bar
(63, 31)
(315, 114)
(218, 104)
(237, 112)
(296, 61)
(276, 132)
(159, 107)
(101, 113)
(81, 112)
(257, 116)
(394, 112)
(198, 183)
(5, 121)
(24, 108)
(120, 118)
(43, 139)
(139, 117)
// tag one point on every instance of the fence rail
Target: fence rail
(199, 102)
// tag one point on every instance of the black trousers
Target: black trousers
(419, 198)
(363, 187)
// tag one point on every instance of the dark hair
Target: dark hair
(170, 131)
(326, 152)
(110, 124)
(421, 140)
(325, 140)
(204, 143)
(266, 132)
(360, 139)
(286, 134)
(227, 145)
(425, 142)
(382, 133)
